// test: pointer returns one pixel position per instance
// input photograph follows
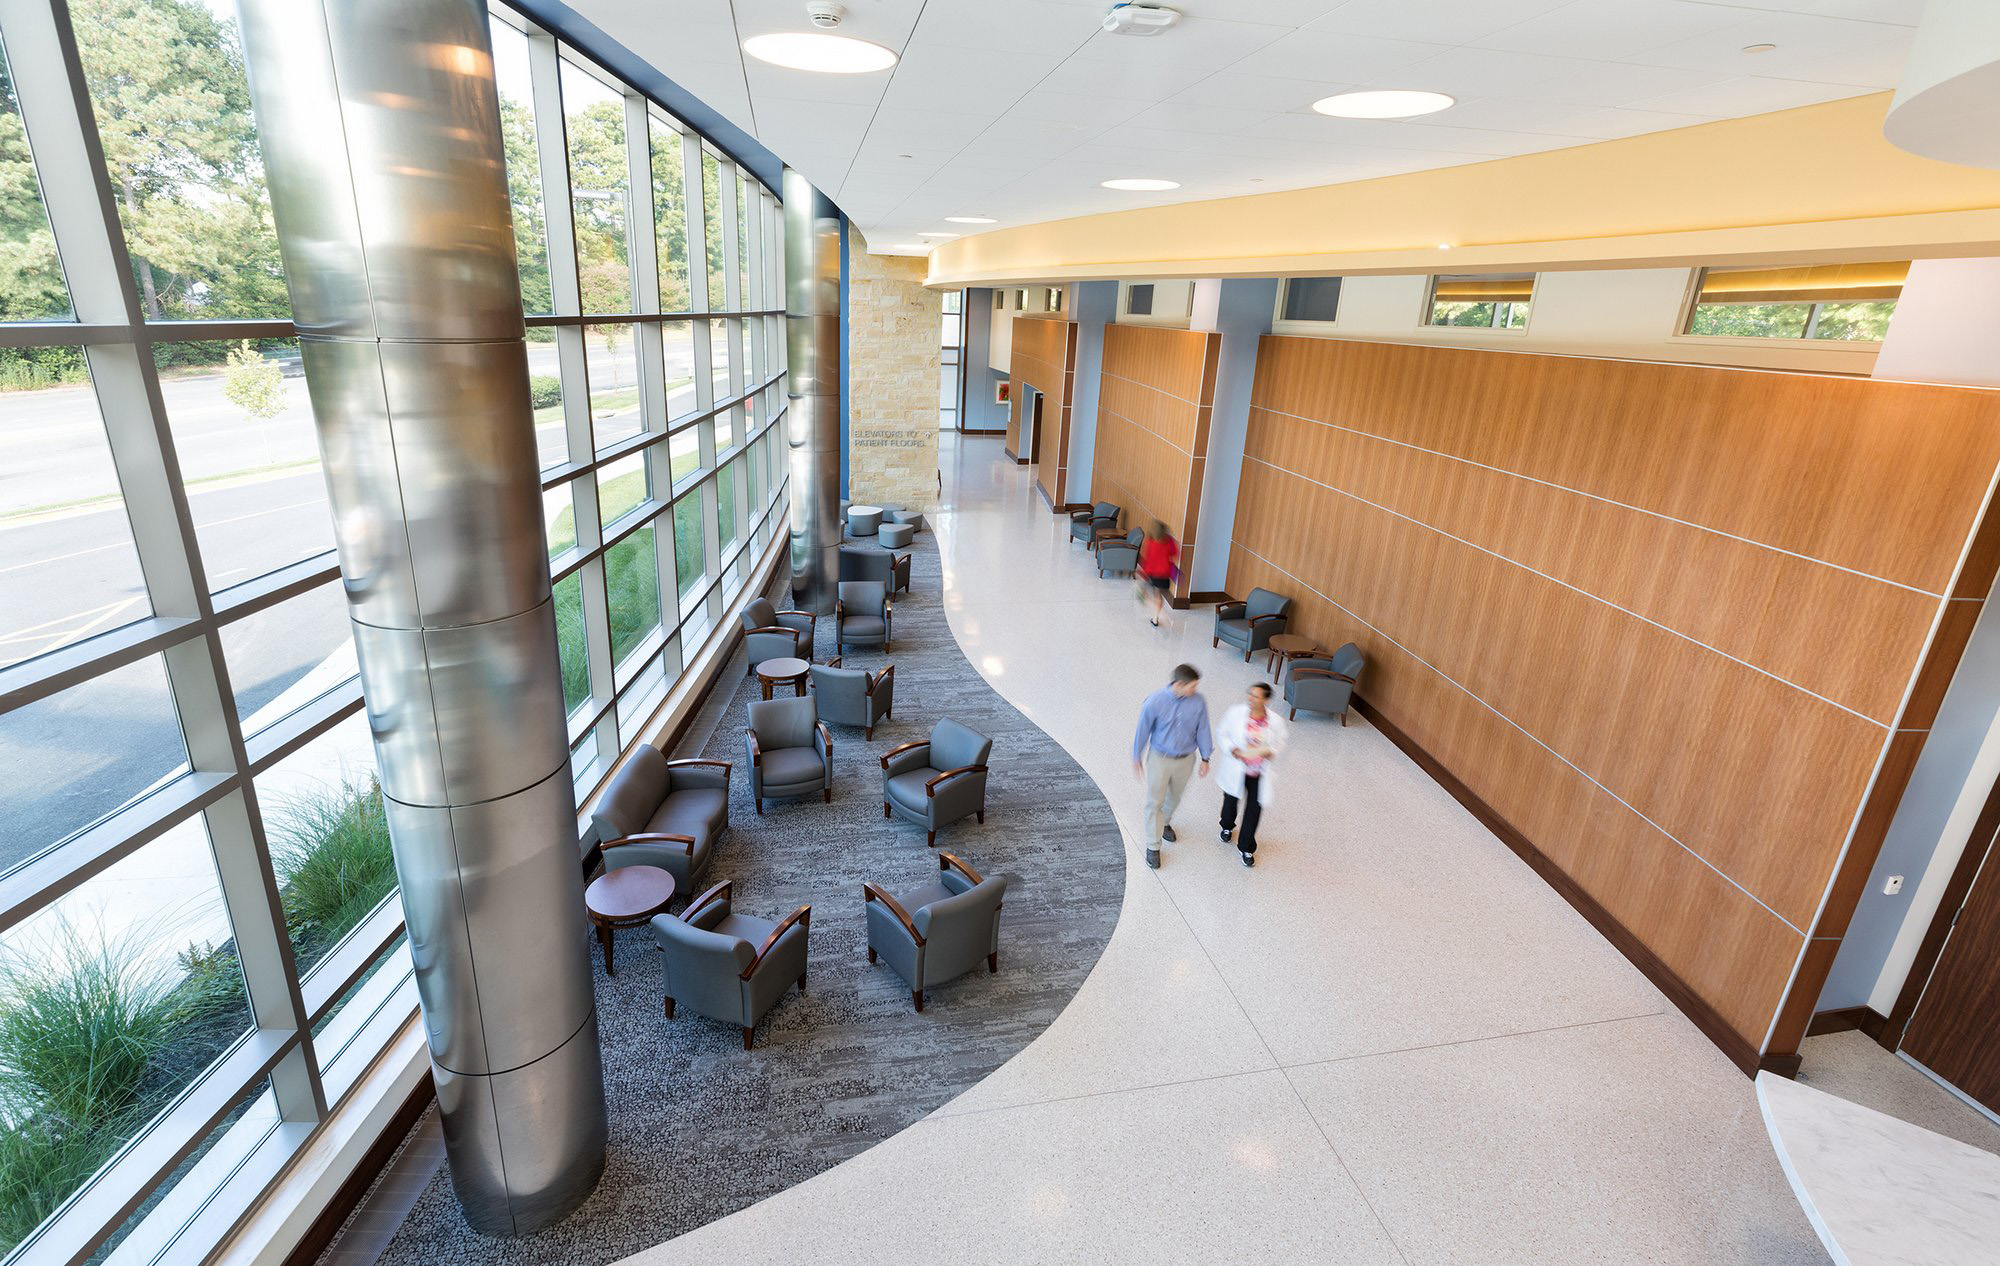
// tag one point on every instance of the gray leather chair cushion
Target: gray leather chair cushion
(793, 766)
(908, 789)
(634, 794)
(896, 535)
(856, 627)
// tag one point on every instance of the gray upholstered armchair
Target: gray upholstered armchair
(729, 966)
(1088, 525)
(1325, 685)
(849, 696)
(791, 753)
(1119, 554)
(861, 615)
(772, 634)
(1250, 625)
(665, 813)
(939, 931)
(859, 562)
(936, 781)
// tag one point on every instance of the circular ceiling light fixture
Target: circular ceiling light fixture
(1389, 103)
(1142, 186)
(970, 219)
(824, 54)
(935, 233)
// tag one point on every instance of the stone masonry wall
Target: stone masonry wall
(894, 359)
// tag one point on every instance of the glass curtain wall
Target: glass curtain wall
(201, 948)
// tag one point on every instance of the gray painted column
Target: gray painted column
(1241, 310)
(381, 135)
(812, 383)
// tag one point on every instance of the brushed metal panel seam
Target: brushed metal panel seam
(501, 1072)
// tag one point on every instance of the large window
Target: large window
(1308, 301)
(1833, 302)
(952, 333)
(1497, 301)
(183, 721)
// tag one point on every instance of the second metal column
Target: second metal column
(812, 414)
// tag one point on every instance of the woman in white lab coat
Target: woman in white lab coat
(1249, 735)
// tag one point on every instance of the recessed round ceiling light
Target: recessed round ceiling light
(1142, 186)
(1444, 246)
(827, 54)
(1759, 48)
(970, 219)
(935, 233)
(1392, 103)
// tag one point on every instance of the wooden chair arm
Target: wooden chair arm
(872, 891)
(807, 614)
(794, 634)
(834, 662)
(686, 841)
(720, 892)
(1222, 609)
(894, 752)
(930, 788)
(1323, 672)
(879, 678)
(1256, 620)
(825, 737)
(801, 916)
(756, 748)
(952, 861)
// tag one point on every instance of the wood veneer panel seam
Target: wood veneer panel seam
(1566, 585)
(1611, 501)
(1385, 636)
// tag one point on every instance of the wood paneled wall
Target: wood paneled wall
(1044, 357)
(1682, 628)
(1153, 406)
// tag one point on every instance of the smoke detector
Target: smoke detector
(1140, 19)
(825, 14)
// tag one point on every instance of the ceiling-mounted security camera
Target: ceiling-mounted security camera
(825, 14)
(1140, 19)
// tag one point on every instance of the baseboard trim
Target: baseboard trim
(1862, 1019)
(970, 431)
(1208, 597)
(348, 1198)
(1691, 1004)
(1013, 456)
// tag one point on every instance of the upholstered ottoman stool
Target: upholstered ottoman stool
(863, 520)
(895, 535)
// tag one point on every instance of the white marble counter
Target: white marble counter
(1880, 1191)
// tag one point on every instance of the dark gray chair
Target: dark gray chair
(859, 562)
(938, 932)
(1250, 625)
(861, 615)
(1088, 525)
(909, 518)
(1119, 555)
(791, 753)
(769, 633)
(1325, 685)
(728, 966)
(936, 781)
(849, 696)
(665, 813)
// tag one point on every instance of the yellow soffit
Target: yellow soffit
(1810, 185)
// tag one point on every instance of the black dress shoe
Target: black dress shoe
(1168, 835)
(1249, 859)
(1153, 858)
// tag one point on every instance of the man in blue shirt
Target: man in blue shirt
(1173, 729)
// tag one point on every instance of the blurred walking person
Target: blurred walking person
(1173, 731)
(1246, 739)
(1159, 563)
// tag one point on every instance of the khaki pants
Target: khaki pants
(1166, 778)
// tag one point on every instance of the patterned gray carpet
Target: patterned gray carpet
(699, 1127)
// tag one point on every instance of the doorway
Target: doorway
(1947, 1020)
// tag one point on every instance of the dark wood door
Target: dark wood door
(1955, 1031)
(1035, 428)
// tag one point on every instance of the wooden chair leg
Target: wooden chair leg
(1246, 655)
(670, 1008)
(760, 804)
(871, 953)
(829, 795)
(1343, 718)
(802, 982)
(748, 1031)
(982, 817)
(1294, 716)
(1213, 642)
(993, 962)
(930, 838)
(885, 808)
(868, 732)
(917, 996)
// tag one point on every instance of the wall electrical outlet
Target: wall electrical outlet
(1892, 885)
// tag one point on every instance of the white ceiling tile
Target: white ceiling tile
(881, 21)
(1439, 21)
(1030, 138)
(1201, 43)
(1080, 109)
(1147, 138)
(1135, 80)
(932, 76)
(1183, 117)
(1014, 26)
(1611, 29)
(767, 80)
(1800, 38)
(1234, 90)
(1901, 12)
(926, 127)
(1877, 67)
(1331, 57)
(1611, 123)
(1586, 83)
(1734, 98)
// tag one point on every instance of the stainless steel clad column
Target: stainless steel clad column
(812, 416)
(381, 137)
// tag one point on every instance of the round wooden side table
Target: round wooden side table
(1286, 647)
(776, 672)
(623, 898)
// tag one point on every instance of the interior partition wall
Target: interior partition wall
(1044, 357)
(193, 845)
(1678, 633)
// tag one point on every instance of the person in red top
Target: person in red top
(1159, 559)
